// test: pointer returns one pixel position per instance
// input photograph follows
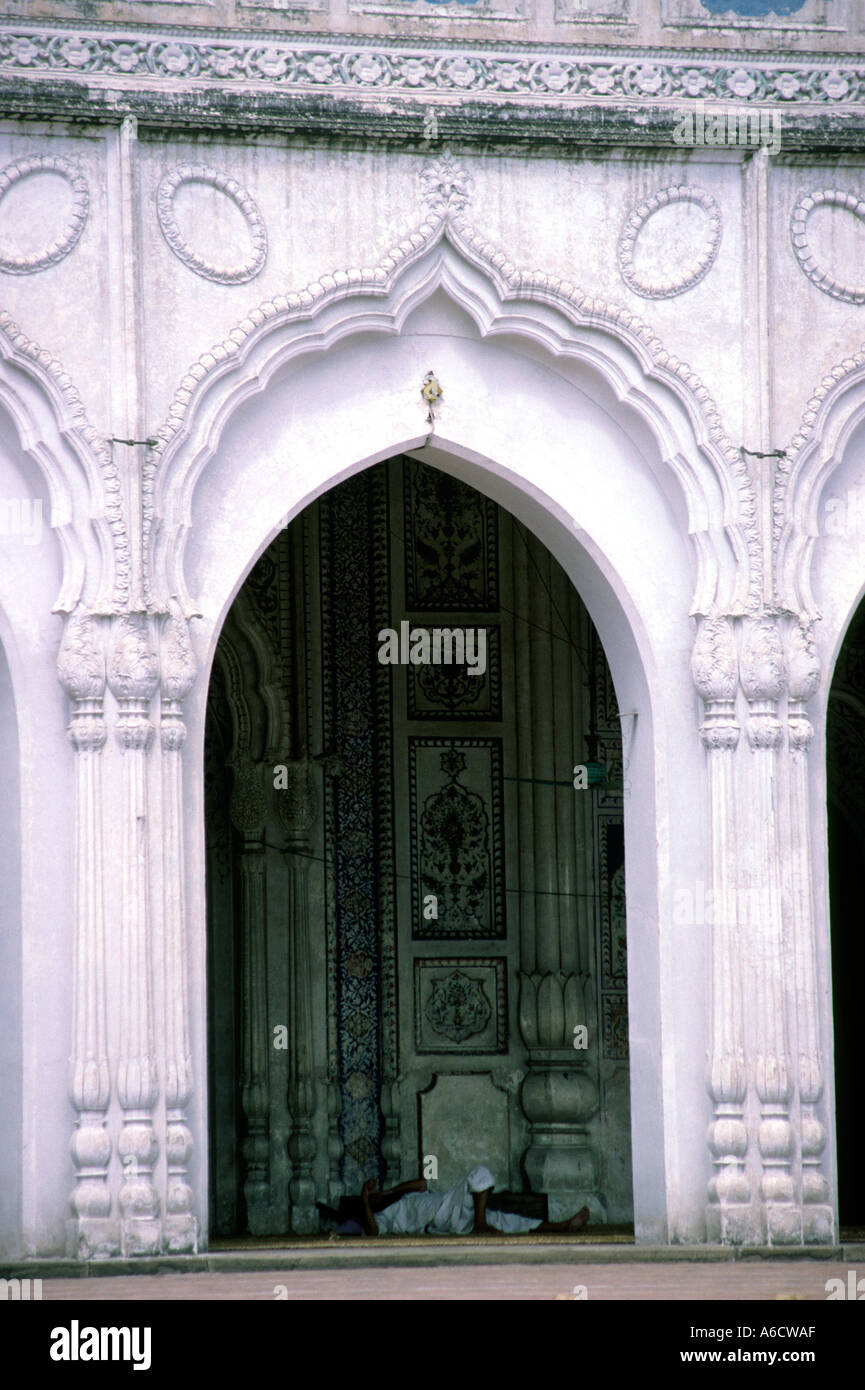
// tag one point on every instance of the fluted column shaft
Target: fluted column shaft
(92, 1233)
(180, 1226)
(296, 805)
(730, 1217)
(763, 681)
(133, 677)
(248, 815)
(818, 1219)
(559, 1095)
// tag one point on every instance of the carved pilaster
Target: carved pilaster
(559, 1095)
(92, 1233)
(818, 1221)
(391, 1144)
(763, 681)
(714, 670)
(296, 807)
(335, 1186)
(248, 815)
(133, 677)
(180, 1226)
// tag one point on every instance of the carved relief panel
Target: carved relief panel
(457, 837)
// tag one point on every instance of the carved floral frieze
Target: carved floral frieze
(599, 75)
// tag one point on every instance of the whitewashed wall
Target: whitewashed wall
(566, 410)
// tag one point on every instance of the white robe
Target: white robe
(449, 1213)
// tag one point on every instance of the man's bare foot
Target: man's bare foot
(565, 1228)
(580, 1221)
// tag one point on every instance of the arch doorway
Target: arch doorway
(845, 744)
(11, 1143)
(416, 919)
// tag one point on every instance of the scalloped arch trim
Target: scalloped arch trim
(93, 449)
(511, 284)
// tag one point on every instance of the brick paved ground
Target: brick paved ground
(731, 1280)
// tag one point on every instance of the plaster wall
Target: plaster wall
(823, 24)
(572, 415)
(753, 328)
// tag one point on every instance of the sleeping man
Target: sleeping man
(460, 1211)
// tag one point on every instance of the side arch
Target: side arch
(83, 482)
(11, 1083)
(820, 450)
(819, 539)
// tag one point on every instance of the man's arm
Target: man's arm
(368, 1221)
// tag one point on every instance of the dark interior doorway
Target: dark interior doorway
(424, 905)
(845, 742)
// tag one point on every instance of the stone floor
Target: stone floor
(773, 1279)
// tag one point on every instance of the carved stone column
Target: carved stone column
(391, 1144)
(180, 1226)
(730, 1216)
(335, 1185)
(296, 806)
(92, 1233)
(330, 768)
(559, 1095)
(763, 681)
(133, 678)
(818, 1220)
(248, 816)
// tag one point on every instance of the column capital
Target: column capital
(248, 804)
(714, 665)
(178, 669)
(296, 801)
(133, 672)
(715, 673)
(763, 672)
(80, 660)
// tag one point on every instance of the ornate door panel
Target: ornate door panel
(458, 923)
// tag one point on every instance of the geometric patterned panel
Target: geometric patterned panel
(615, 1025)
(612, 885)
(349, 603)
(614, 961)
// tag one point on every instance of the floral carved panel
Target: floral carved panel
(452, 691)
(457, 838)
(451, 544)
(460, 1005)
